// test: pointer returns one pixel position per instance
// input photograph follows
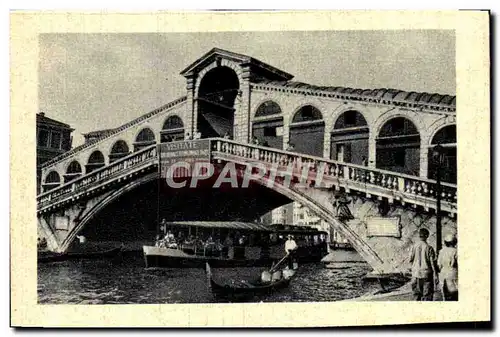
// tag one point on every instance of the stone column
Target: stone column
(286, 132)
(372, 149)
(424, 158)
(242, 112)
(191, 113)
(326, 144)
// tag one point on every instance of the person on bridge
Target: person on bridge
(424, 269)
(290, 249)
(448, 268)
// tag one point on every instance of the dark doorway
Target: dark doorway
(447, 138)
(217, 94)
(349, 138)
(398, 147)
(307, 131)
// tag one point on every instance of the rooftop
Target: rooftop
(386, 94)
(42, 119)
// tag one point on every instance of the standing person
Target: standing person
(424, 269)
(448, 268)
(290, 248)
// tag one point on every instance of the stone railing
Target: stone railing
(389, 184)
(115, 170)
(378, 182)
(130, 124)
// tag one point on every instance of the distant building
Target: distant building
(53, 138)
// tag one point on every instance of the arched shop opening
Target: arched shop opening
(307, 131)
(398, 147)
(144, 139)
(73, 171)
(216, 97)
(51, 181)
(268, 125)
(96, 161)
(119, 150)
(447, 138)
(349, 138)
(172, 130)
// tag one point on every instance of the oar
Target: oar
(277, 264)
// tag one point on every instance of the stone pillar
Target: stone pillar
(191, 113)
(242, 112)
(326, 144)
(286, 133)
(424, 158)
(372, 149)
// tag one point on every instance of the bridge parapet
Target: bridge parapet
(322, 172)
(97, 179)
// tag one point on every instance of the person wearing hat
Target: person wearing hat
(290, 248)
(424, 269)
(448, 268)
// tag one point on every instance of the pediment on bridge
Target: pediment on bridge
(257, 68)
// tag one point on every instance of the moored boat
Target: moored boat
(48, 256)
(230, 244)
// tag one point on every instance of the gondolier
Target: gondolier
(290, 248)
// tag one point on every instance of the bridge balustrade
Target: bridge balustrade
(396, 183)
(370, 180)
(99, 176)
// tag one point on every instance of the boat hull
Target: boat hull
(45, 257)
(156, 257)
(245, 290)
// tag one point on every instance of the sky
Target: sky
(100, 81)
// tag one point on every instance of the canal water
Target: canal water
(125, 280)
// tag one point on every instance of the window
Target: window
(268, 108)
(55, 140)
(399, 157)
(350, 117)
(43, 138)
(270, 131)
(398, 126)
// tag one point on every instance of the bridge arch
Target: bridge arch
(172, 129)
(268, 124)
(216, 98)
(307, 130)
(73, 171)
(446, 136)
(96, 160)
(349, 138)
(52, 180)
(398, 146)
(321, 210)
(144, 138)
(119, 149)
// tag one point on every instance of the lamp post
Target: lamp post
(437, 152)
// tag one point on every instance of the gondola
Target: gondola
(48, 256)
(238, 289)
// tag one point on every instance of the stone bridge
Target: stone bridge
(365, 150)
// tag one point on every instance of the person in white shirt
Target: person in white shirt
(290, 248)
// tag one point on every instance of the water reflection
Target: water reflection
(126, 281)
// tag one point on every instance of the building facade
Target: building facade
(53, 139)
